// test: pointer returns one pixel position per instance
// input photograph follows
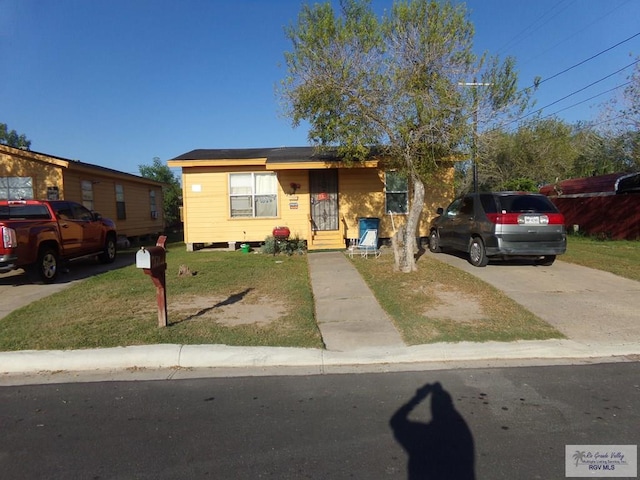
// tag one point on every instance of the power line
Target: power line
(567, 96)
(599, 19)
(587, 100)
(582, 89)
(587, 59)
(571, 68)
(532, 28)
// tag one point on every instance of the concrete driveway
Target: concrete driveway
(17, 290)
(586, 305)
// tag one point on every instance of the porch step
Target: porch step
(326, 240)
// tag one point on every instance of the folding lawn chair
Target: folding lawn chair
(368, 244)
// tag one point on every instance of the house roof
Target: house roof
(276, 158)
(276, 154)
(603, 184)
(74, 164)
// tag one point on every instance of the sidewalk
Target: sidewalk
(359, 336)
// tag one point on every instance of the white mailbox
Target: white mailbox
(151, 258)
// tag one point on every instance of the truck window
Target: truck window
(63, 210)
(24, 212)
(81, 213)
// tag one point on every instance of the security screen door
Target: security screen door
(323, 187)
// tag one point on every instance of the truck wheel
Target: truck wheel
(108, 254)
(46, 268)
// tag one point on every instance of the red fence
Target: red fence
(614, 216)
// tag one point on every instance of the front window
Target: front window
(16, 188)
(253, 194)
(396, 192)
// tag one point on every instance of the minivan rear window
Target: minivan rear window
(526, 204)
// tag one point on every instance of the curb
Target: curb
(171, 356)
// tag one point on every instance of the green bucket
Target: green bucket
(245, 247)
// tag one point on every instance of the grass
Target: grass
(409, 298)
(118, 308)
(619, 257)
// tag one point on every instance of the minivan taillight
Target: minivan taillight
(520, 218)
(9, 238)
(503, 218)
(555, 218)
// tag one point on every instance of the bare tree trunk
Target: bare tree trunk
(404, 242)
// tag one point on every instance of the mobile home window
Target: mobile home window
(396, 192)
(152, 204)
(87, 194)
(253, 194)
(16, 188)
(120, 205)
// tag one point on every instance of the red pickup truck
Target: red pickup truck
(39, 235)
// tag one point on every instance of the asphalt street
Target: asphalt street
(494, 424)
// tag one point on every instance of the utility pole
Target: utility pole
(474, 145)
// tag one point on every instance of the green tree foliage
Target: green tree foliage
(13, 138)
(393, 83)
(172, 190)
(545, 151)
(540, 152)
(619, 128)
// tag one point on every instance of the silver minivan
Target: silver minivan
(500, 225)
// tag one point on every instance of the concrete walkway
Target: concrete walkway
(347, 313)
(597, 311)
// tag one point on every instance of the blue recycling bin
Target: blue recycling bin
(367, 223)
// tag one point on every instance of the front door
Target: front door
(323, 187)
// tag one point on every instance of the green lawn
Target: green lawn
(620, 257)
(118, 308)
(410, 299)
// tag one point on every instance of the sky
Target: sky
(117, 83)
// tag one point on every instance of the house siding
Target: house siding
(43, 174)
(67, 175)
(206, 210)
(207, 217)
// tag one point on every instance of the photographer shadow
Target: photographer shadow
(441, 449)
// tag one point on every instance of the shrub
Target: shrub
(293, 245)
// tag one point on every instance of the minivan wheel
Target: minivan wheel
(546, 261)
(477, 254)
(434, 242)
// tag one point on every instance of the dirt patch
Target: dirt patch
(452, 307)
(229, 311)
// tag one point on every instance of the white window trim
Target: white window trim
(253, 195)
(386, 191)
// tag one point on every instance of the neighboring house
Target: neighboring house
(607, 205)
(134, 203)
(241, 195)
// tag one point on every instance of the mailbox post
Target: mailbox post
(153, 261)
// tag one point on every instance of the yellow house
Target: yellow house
(241, 195)
(134, 203)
